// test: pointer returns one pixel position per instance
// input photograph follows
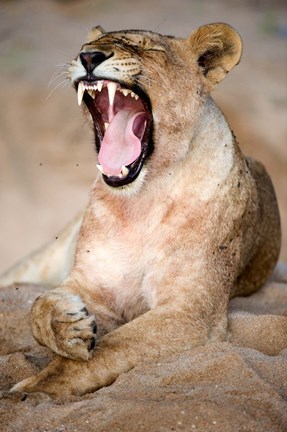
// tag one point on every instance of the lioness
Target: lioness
(178, 221)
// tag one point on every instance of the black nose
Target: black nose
(90, 60)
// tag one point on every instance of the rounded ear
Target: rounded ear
(218, 49)
(95, 33)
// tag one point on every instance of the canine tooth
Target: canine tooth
(125, 171)
(106, 126)
(112, 88)
(100, 168)
(100, 85)
(81, 90)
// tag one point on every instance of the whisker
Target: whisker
(148, 81)
(55, 77)
(62, 83)
(62, 65)
(57, 73)
(159, 81)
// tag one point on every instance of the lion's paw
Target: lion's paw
(73, 332)
(62, 378)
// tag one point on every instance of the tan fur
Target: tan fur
(50, 264)
(157, 261)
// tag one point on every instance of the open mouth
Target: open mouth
(122, 124)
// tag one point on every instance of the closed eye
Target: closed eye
(157, 48)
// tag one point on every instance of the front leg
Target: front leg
(183, 321)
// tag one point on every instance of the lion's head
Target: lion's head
(145, 93)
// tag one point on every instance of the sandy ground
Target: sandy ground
(47, 164)
(240, 385)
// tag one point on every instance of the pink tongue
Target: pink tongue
(121, 144)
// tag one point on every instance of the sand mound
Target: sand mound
(240, 385)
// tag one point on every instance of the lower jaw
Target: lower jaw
(117, 182)
(130, 189)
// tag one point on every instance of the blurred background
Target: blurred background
(47, 161)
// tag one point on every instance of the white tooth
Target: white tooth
(125, 92)
(125, 171)
(134, 95)
(106, 126)
(100, 168)
(81, 90)
(112, 88)
(100, 85)
(92, 93)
